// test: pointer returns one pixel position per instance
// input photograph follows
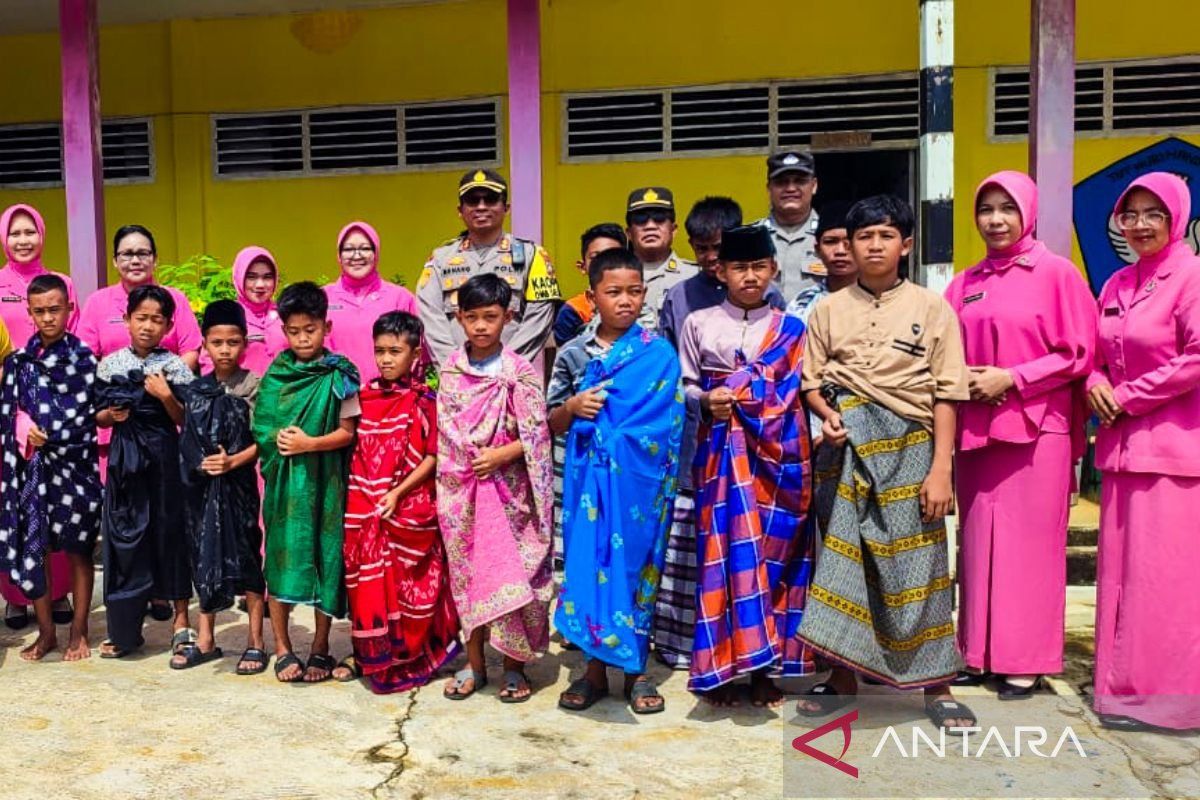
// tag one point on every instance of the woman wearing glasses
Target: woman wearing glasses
(360, 296)
(1146, 391)
(1028, 324)
(102, 324)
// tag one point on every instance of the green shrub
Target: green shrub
(201, 278)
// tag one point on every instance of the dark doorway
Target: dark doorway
(847, 177)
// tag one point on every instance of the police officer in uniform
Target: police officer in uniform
(791, 184)
(650, 221)
(486, 247)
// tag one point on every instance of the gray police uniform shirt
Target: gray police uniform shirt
(796, 253)
(659, 278)
(524, 265)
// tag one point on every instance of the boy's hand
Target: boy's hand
(937, 495)
(487, 462)
(217, 464)
(388, 503)
(118, 414)
(990, 384)
(292, 441)
(158, 387)
(833, 431)
(719, 402)
(586, 405)
(1104, 403)
(37, 437)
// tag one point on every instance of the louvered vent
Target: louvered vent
(1158, 97)
(30, 155)
(615, 124)
(125, 146)
(721, 119)
(259, 143)
(885, 108)
(451, 133)
(353, 139)
(1011, 93)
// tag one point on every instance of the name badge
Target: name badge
(974, 298)
(10, 299)
(337, 307)
(117, 321)
(256, 337)
(1112, 311)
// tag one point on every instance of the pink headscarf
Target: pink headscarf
(34, 268)
(1023, 191)
(1174, 194)
(241, 265)
(372, 281)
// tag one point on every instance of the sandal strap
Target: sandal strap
(513, 680)
(823, 690)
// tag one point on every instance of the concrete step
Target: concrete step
(1081, 565)
(1083, 536)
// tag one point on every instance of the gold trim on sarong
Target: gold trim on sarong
(842, 547)
(839, 603)
(885, 550)
(927, 635)
(851, 401)
(892, 445)
(915, 594)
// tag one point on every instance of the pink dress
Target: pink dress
(354, 305)
(14, 311)
(1029, 311)
(1148, 608)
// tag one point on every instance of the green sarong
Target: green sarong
(304, 496)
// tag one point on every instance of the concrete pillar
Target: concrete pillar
(937, 144)
(525, 117)
(1052, 118)
(82, 164)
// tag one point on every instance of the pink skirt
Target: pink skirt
(1147, 603)
(1013, 505)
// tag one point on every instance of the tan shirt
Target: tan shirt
(902, 350)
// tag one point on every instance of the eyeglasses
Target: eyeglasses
(1151, 219)
(131, 255)
(363, 251)
(643, 217)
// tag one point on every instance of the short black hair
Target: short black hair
(712, 215)
(154, 293)
(400, 324)
(881, 209)
(128, 230)
(605, 230)
(609, 260)
(484, 290)
(305, 298)
(44, 284)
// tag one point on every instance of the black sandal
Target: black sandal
(322, 661)
(193, 656)
(254, 656)
(585, 689)
(827, 698)
(113, 650)
(643, 689)
(939, 711)
(285, 661)
(352, 667)
(1119, 722)
(1010, 691)
(964, 678)
(16, 621)
(64, 615)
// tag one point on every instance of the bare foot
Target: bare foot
(764, 693)
(38, 650)
(78, 647)
(725, 696)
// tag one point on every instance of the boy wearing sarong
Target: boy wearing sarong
(404, 626)
(51, 493)
(741, 364)
(145, 546)
(616, 389)
(304, 422)
(883, 368)
(218, 454)
(494, 494)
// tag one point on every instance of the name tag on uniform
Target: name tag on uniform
(117, 321)
(974, 298)
(1112, 311)
(11, 298)
(256, 337)
(337, 307)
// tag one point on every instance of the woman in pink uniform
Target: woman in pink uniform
(1028, 323)
(1146, 391)
(360, 296)
(23, 234)
(255, 276)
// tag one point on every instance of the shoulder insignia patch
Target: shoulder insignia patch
(426, 275)
(542, 285)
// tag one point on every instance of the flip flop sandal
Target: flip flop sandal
(62, 612)
(513, 683)
(584, 689)
(1117, 722)
(827, 698)
(114, 651)
(643, 689)
(460, 678)
(285, 661)
(322, 661)
(349, 663)
(181, 638)
(254, 656)
(16, 621)
(965, 678)
(160, 611)
(941, 710)
(194, 657)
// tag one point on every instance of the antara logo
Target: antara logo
(843, 722)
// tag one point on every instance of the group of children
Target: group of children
(429, 515)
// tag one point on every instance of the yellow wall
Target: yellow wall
(182, 71)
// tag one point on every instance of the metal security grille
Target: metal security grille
(259, 143)
(865, 109)
(354, 139)
(721, 119)
(452, 133)
(127, 149)
(615, 124)
(30, 155)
